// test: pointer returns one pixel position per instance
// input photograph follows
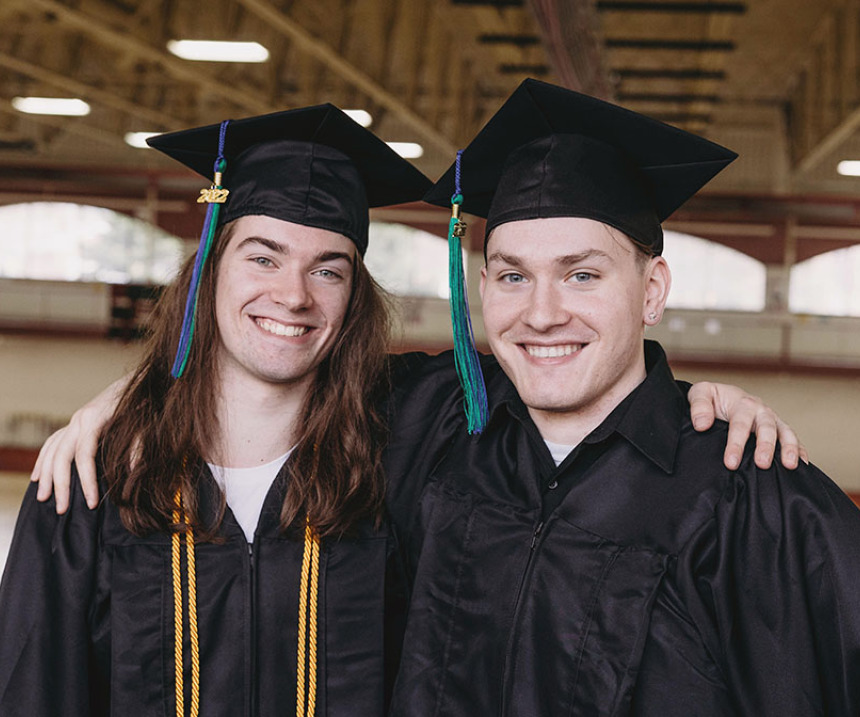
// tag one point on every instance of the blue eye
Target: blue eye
(581, 277)
(327, 274)
(513, 278)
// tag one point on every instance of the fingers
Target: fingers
(792, 450)
(42, 470)
(60, 477)
(765, 438)
(53, 469)
(701, 398)
(747, 415)
(85, 460)
(36, 473)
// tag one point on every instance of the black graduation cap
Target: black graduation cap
(551, 152)
(314, 166)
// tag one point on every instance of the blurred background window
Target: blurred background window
(706, 275)
(827, 284)
(74, 242)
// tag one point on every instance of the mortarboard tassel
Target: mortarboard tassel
(215, 196)
(465, 355)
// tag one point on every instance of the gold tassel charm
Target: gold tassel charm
(458, 226)
(215, 194)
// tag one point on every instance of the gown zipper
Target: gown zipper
(536, 534)
(252, 597)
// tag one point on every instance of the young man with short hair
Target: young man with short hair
(588, 553)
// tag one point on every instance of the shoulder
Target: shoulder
(42, 516)
(414, 367)
(769, 503)
(803, 498)
(429, 382)
(799, 515)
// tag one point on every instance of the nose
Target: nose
(293, 292)
(545, 308)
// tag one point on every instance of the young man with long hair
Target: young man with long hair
(238, 562)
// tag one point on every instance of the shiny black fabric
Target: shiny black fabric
(312, 166)
(661, 584)
(300, 182)
(506, 174)
(86, 618)
(565, 175)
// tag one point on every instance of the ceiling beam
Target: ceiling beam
(72, 86)
(824, 107)
(78, 128)
(339, 65)
(125, 43)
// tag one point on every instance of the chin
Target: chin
(550, 403)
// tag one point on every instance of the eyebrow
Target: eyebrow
(565, 260)
(268, 243)
(279, 248)
(333, 256)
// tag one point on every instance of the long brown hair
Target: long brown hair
(158, 437)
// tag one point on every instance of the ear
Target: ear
(658, 281)
(483, 281)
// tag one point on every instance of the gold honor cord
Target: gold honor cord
(176, 565)
(306, 659)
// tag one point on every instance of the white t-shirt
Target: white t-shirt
(246, 489)
(558, 451)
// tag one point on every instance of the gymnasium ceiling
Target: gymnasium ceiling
(774, 79)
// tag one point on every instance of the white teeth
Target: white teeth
(552, 351)
(273, 327)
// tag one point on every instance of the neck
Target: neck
(571, 427)
(257, 422)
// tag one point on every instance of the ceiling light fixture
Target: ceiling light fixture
(218, 51)
(407, 150)
(849, 167)
(62, 106)
(138, 139)
(361, 116)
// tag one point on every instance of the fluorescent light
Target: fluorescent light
(849, 167)
(138, 139)
(361, 116)
(407, 150)
(62, 106)
(216, 51)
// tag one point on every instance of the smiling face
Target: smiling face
(565, 303)
(282, 293)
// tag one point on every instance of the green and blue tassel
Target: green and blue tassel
(215, 197)
(465, 354)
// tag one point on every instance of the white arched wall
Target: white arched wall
(827, 284)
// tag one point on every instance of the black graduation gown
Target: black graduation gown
(86, 617)
(640, 577)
